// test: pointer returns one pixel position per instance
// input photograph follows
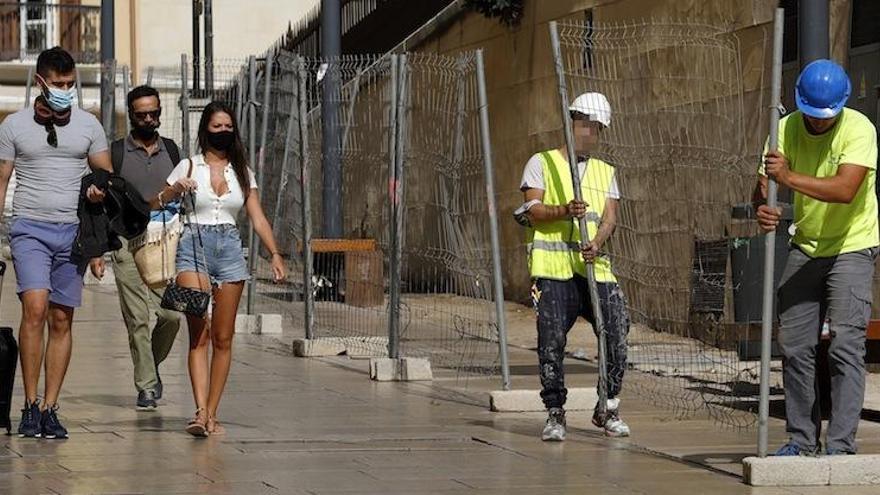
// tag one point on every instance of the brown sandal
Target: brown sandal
(198, 426)
(214, 427)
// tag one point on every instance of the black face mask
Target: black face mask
(143, 132)
(221, 141)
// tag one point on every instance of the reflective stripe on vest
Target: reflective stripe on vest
(554, 250)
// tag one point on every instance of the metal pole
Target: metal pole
(582, 222)
(30, 84)
(125, 88)
(264, 130)
(239, 91)
(108, 99)
(285, 158)
(149, 81)
(489, 169)
(108, 54)
(308, 294)
(770, 240)
(395, 198)
(209, 48)
(79, 89)
(196, 38)
(813, 30)
(184, 105)
(252, 158)
(331, 50)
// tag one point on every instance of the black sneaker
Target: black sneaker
(146, 400)
(30, 421)
(52, 428)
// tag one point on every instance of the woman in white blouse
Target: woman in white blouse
(222, 183)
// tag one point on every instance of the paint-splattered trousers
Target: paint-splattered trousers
(558, 304)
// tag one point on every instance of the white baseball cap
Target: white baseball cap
(595, 106)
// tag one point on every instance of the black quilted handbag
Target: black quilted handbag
(193, 302)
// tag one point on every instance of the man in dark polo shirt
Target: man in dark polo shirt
(144, 159)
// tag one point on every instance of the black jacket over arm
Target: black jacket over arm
(122, 213)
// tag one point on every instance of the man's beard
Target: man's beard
(143, 132)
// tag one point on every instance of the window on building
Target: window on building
(865, 23)
(37, 27)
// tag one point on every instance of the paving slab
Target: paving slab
(321, 426)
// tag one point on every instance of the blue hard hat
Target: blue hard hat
(822, 89)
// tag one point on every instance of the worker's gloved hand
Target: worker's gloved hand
(768, 218)
(575, 209)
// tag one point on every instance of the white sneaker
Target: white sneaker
(611, 422)
(614, 426)
(554, 429)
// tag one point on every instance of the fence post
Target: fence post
(125, 88)
(395, 196)
(184, 105)
(770, 240)
(79, 89)
(253, 251)
(30, 84)
(252, 158)
(108, 99)
(293, 113)
(308, 293)
(493, 221)
(602, 389)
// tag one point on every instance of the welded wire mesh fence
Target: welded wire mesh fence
(408, 139)
(683, 160)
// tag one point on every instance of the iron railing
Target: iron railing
(27, 28)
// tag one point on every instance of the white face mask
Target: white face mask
(59, 99)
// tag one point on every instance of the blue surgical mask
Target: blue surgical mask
(59, 99)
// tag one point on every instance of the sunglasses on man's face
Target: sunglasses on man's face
(154, 114)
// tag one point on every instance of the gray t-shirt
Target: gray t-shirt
(47, 178)
(147, 173)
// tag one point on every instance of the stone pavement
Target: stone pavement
(320, 426)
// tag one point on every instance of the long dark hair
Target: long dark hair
(236, 154)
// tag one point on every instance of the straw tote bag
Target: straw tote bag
(155, 251)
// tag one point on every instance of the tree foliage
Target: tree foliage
(510, 12)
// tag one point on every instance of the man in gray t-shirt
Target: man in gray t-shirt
(51, 146)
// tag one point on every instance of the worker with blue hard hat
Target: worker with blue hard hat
(827, 157)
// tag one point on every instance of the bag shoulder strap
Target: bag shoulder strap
(117, 155)
(192, 202)
(172, 149)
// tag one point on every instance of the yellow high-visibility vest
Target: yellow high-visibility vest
(554, 250)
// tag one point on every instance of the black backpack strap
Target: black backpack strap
(117, 155)
(172, 149)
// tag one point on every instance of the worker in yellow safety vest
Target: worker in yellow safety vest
(557, 260)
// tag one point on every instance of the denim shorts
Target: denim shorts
(222, 258)
(41, 255)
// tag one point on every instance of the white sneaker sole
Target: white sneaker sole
(615, 434)
(553, 438)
